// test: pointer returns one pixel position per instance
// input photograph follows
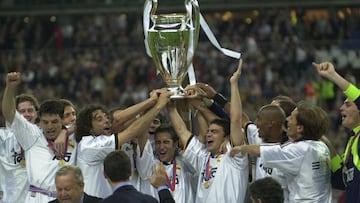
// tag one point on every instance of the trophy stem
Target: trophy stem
(178, 92)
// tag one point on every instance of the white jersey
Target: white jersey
(226, 179)
(128, 148)
(180, 177)
(41, 163)
(306, 166)
(14, 181)
(258, 169)
(92, 151)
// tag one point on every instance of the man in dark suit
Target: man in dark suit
(69, 183)
(117, 170)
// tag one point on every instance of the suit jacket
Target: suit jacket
(128, 194)
(166, 197)
(87, 199)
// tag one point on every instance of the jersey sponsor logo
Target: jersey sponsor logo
(212, 174)
(17, 157)
(315, 165)
(66, 157)
(266, 169)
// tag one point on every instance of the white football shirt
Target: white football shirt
(41, 163)
(306, 167)
(92, 151)
(228, 176)
(14, 180)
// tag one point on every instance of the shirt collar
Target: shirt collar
(121, 185)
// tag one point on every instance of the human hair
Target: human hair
(52, 107)
(282, 98)
(84, 120)
(24, 97)
(66, 102)
(167, 128)
(224, 124)
(117, 166)
(287, 106)
(78, 177)
(267, 189)
(314, 120)
(274, 113)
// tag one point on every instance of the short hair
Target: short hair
(167, 128)
(275, 113)
(288, 106)
(67, 102)
(224, 124)
(84, 120)
(27, 97)
(52, 106)
(267, 189)
(79, 178)
(314, 120)
(117, 166)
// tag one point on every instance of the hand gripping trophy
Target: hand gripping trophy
(171, 40)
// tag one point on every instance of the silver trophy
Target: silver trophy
(171, 40)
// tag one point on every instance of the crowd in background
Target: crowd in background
(101, 58)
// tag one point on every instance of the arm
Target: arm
(326, 69)
(8, 103)
(179, 125)
(236, 134)
(120, 117)
(203, 127)
(139, 126)
(253, 150)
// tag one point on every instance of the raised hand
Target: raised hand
(13, 79)
(325, 69)
(236, 75)
(159, 175)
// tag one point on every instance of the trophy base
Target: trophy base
(178, 93)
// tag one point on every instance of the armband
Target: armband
(220, 99)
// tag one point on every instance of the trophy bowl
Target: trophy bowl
(172, 40)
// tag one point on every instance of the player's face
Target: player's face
(350, 114)
(69, 116)
(68, 191)
(51, 125)
(215, 136)
(154, 125)
(165, 147)
(100, 123)
(27, 109)
(294, 130)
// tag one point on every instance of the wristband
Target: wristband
(220, 99)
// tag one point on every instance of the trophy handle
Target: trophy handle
(193, 12)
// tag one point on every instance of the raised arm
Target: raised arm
(178, 124)
(236, 134)
(140, 125)
(120, 117)
(8, 103)
(327, 70)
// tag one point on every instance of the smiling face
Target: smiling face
(51, 125)
(215, 136)
(27, 109)
(100, 123)
(165, 147)
(69, 116)
(68, 190)
(350, 114)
